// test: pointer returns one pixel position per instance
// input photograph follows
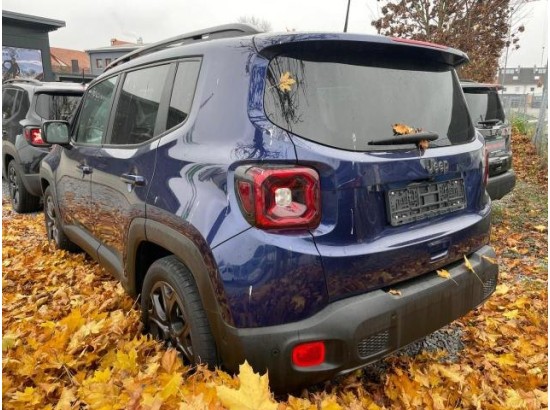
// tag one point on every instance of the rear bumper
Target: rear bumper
(364, 328)
(500, 185)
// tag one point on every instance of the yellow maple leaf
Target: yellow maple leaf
(172, 387)
(490, 260)
(168, 360)
(469, 266)
(445, 274)
(394, 292)
(514, 400)
(29, 395)
(512, 314)
(286, 81)
(502, 289)
(67, 397)
(8, 341)
(253, 393)
(540, 228)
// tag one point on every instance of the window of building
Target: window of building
(510, 71)
(515, 77)
(138, 106)
(95, 112)
(183, 92)
(99, 63)
(107, 62)
(541, 70)
(532, 88)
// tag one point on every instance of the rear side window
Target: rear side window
(138, 105)
(484, 104)
(348, 101)
(8, 103)
(56, 106)
(183, 92)
(94, 115)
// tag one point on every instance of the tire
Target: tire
(53, 224)
(169, 287)
(21, 200)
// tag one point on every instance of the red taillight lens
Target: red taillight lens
(279, 198)
(308, 354)
(34, 136)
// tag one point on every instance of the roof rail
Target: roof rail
(223, 31)
(22, 80)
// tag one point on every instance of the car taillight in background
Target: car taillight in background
(34, 136)
(273, 197)
(485, 166)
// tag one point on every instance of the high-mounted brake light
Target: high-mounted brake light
(34, 136)
(275, 197)
(308, 354)
(419, 43)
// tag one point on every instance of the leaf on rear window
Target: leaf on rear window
(403, 129)
(394, 292)
(286, 82)
(423, 145)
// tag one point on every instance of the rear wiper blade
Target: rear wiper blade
(406, 139)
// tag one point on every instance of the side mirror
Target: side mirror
(55, 132)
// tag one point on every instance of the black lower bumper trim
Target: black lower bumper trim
(500, 185)
(361, 329)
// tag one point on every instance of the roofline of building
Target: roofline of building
(113, 48)
(51, 24)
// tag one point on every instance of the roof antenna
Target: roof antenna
(347, 15)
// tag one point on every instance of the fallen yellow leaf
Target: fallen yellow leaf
(253, 393)
(394, 292)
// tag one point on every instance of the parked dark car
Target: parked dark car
(25, 104)
(490, 120)
(250, 187)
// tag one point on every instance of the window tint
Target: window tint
(183, 92)
(484, 104)
(56, 106)
(347, 100)
(138, 105)
(95, 111)
(8, 100)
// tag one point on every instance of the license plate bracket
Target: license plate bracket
(424, 200)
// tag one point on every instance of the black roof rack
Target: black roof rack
(22, 80)
(224, 31)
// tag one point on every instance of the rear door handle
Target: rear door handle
(135, 180)
(86, 169)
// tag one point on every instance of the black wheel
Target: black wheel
(53, 225)
(171, 311)
(21, 200)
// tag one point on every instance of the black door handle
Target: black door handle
(136, 180)
(86, 169)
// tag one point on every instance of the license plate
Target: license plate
(426, 200)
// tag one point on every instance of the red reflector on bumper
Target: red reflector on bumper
(308, 354)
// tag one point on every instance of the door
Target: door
(124, 166)
(75, 173)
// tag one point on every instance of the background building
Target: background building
(103, 56)
(523, 86)
(70, 65)
(26, 46)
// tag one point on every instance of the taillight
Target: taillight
(34, 136)
(308, 354)
(279, 197)
(485, 166)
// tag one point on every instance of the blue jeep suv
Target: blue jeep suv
(281, 198)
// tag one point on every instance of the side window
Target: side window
(138, 105)
(8, 103)
(94, 115)
(183, 92)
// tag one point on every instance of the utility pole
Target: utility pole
(541, 123)
(347, 16)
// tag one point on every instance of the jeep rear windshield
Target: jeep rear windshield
(349, 101)
(484, 104)
(56, 106)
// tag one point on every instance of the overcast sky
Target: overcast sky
(91, 24)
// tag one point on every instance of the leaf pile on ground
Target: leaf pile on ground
(72, 339)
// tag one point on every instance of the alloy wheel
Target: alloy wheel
(168, 320)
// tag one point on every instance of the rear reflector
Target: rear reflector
(34, 136)
(308, 354)
(275, 197)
